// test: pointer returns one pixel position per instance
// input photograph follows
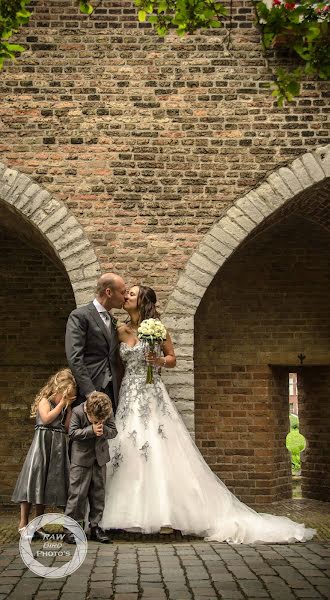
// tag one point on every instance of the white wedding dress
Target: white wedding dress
(157, 477)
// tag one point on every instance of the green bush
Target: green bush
(295, 443)
(294, 422)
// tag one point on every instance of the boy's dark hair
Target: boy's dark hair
(99, 406)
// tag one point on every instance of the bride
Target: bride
(156, 476)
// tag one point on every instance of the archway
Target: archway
(302, 188)
(47, 266)
(52, 223)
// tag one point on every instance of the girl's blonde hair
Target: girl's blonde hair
(62, 383)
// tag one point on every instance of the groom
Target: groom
(91, 342)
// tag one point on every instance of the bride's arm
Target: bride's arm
(168, 360)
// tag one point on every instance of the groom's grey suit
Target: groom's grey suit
(92, 352)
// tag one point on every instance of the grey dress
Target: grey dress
(44, 477)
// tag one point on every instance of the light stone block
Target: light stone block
(178, 392)
(232, 228)
(325, 161)
(84, 296)
(242, 219)
(30, 207)
(9, 176)
(291, 180)
(81, 259)
(3, 168)
(282, 192)
(223, 236)
(200, 277)
(313, 167)
(177, 304)
(190, 286)
(250, 209)
(301, 173)
(179, 323)
(211, 254)
(203, 263)
(74, 248)
(92, 270)
(32, 190)
(183, 338)
(71, 236)
(259, 203)
(18, 188)
(217, 245)
(84, 284)
(38, 216)
(176, 378)
(55, 218)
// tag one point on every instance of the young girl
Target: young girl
(45, 474)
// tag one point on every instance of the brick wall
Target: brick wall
(147, 143)
(35, 299)
(147, 140)
(268, 303)
(314, 420)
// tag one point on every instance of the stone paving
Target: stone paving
(183, 571)
(170, 567)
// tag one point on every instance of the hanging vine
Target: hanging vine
(300, 29)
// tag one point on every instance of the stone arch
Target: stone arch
(55, 225)
(224, 237)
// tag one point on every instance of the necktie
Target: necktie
(106, 318)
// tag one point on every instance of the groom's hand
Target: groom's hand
(98, 429)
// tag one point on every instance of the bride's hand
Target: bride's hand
(154, 360)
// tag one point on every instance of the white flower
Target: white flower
(152, 328)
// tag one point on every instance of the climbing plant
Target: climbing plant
(300, 29)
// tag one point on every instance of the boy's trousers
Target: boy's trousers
(86, 483)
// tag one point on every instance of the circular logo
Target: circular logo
(54, 546)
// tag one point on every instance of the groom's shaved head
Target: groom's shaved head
(108, 280)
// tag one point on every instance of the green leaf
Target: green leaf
(313, 33)
(7, 34)
(85, 7)
(214, 24)
(15, 48)
(294, 88)
(142, 15)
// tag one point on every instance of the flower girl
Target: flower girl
(44, 477)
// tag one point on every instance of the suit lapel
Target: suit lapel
(99, 321)
(113, 338)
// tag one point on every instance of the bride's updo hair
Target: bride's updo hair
(146, 303)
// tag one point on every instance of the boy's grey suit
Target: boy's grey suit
(89, 455)
(92, 352)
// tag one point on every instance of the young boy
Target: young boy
(91, 426)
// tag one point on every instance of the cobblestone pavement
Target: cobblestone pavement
(183, 571)
(169, 567)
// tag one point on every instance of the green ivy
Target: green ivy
(302, 30)
(186, 16)
(13, 14)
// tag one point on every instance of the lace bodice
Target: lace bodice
(134, 361)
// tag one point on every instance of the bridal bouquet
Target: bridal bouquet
(152, 332)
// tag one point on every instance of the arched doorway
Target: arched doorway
(43, 275)
(235, 284)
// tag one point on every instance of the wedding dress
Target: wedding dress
(157, 477)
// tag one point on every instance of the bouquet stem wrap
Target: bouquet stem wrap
(150, 370)
(153, 333)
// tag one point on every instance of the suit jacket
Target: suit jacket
(92, 349)
(86, 446)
